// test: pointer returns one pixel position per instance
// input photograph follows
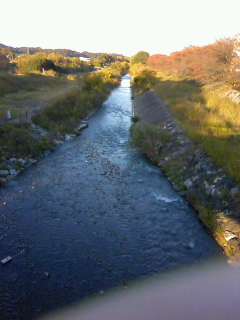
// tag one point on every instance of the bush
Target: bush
(135, 119)
(143, 78)
(149, 139)
(19, 139)
(34, 63)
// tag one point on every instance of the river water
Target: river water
(91, 216)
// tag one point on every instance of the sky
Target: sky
(124, 27)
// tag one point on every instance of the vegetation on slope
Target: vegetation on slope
(191, 88)
(66, 112)
(52, 100)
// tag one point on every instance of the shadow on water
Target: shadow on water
(92, 216)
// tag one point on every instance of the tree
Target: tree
(140, 57)
(35, 63)
(4, 62)
(106, 58)
(213, 62)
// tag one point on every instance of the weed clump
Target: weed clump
(20, 139)
(149, 139)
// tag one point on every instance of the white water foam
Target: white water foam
(161, 197)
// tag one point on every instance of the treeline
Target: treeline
(15, 52)
(53, 63)
(215, 62)
(65, 60)
(42, 62)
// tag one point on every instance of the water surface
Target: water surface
(92, 216)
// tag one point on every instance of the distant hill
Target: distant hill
(64, 52)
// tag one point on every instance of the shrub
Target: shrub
(19, 139)
(149, 139)
(143, 78)
(135, 119)
(64, 114)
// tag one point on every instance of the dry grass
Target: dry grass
(211, 121)
(44, 91)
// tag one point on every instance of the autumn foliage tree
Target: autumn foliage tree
(207, 63)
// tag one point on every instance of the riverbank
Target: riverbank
(195, 176)
(25, 142)
(11, 166)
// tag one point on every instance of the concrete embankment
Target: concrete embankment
(195, 176)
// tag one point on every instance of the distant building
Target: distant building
(84, 59)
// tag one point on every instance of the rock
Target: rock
(32, 160)
(8, 162)
(228, 235)
(22, 161)
(188, 183)
(46, 152)
(13, 172)
(82, 126)
(10, 177)
(69, 137)
(234, 192)
(58, 142)
(209, 188)
(3, 180)
(37, 131)
(4, 172)
(6, 260)
(217, 179)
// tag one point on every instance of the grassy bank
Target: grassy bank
(57, 105)
(22, 93)
(209, 120)
(19, 140)
(64, 114)
(212, 124)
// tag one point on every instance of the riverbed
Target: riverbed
(94, 215)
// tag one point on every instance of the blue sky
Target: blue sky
(123, 27)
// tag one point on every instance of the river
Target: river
(93, 215)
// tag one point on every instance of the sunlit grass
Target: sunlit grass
(20, 93)
(208, 119)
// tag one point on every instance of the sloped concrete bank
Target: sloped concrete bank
(213, 195)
